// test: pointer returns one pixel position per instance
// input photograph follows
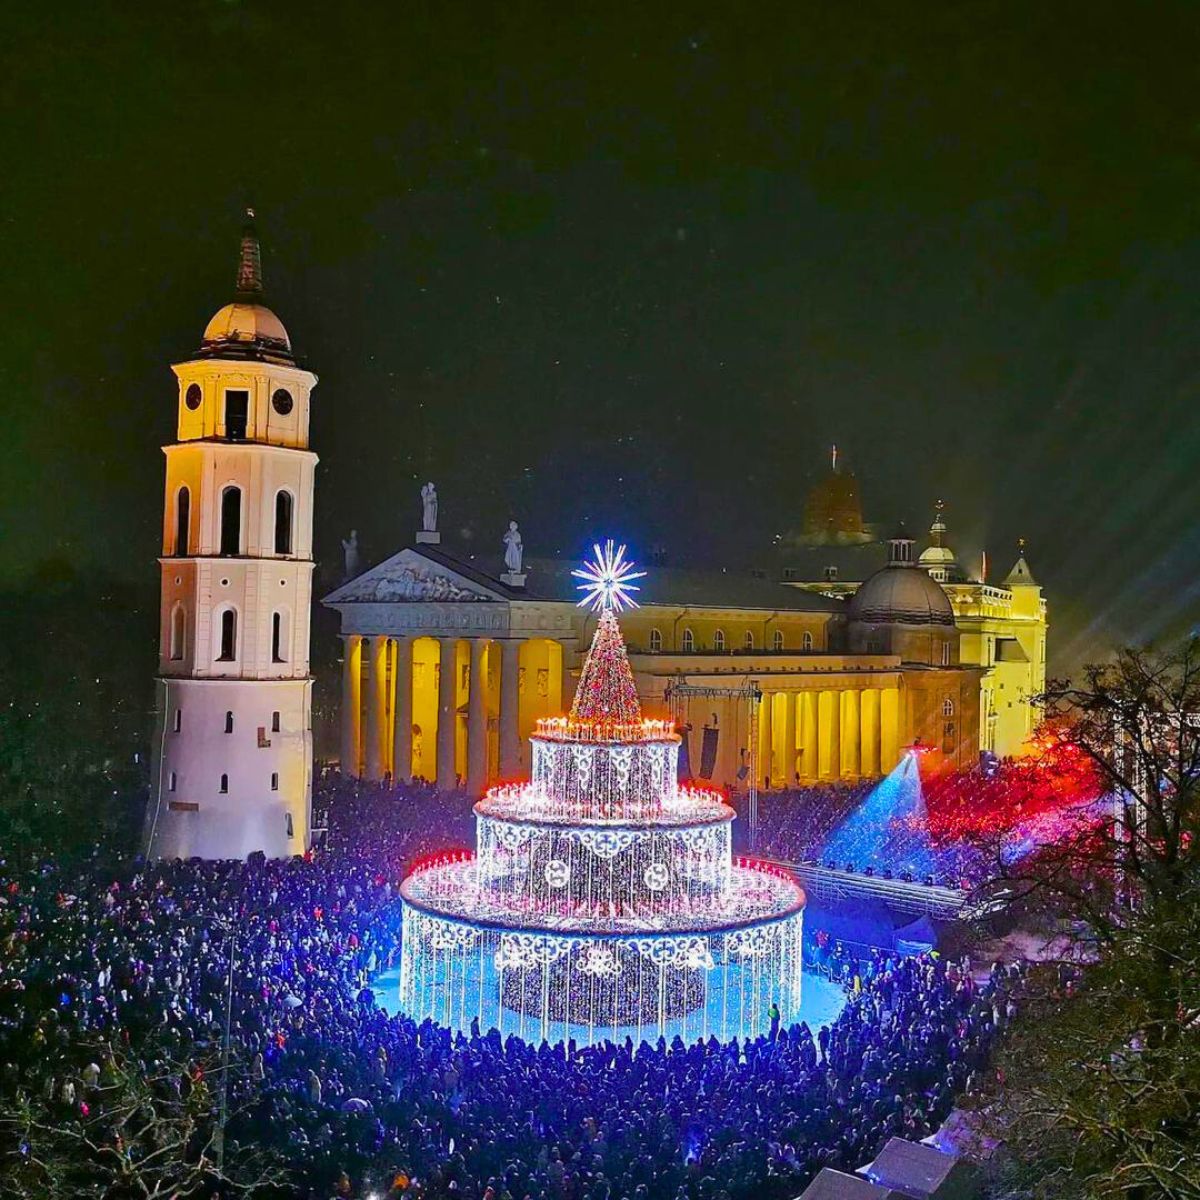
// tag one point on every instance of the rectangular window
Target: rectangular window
(274, 722)
(237, 415)
(290, 832)
(263, 740)
(183, 806)
(274, 781)
(177, 724)
(171, 785)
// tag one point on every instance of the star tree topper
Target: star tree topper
(607, 580)
(606, 695)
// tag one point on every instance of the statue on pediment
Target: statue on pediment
(350, 555)
(514, 549)
(429, 508)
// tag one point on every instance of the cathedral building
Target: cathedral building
(1002, 626)
(449, 659)
(232, 769)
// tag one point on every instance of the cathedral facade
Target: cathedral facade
(448, 661)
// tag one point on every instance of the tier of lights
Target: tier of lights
(603, 901)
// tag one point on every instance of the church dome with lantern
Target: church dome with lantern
(901, 593)
(938, 559)
(247, 328)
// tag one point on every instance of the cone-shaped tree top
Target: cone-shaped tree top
(606, 693)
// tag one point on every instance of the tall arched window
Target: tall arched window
(748, 639)
(183, 520)
(278, 637)
(806, 642)
(777, 639)
(945, 654)
(719, 640)
(177, 632)
(655, 641)
(229, 722)
(947, 707)
(228, 636)
(224, 783)
(283, 522)
(231, 520)
(689, 641)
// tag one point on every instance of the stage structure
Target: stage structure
(603, 900)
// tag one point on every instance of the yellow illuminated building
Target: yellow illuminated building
(1002, 627)
(806, 686)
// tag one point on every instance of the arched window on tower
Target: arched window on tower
(183, 520)
(806, 642)
(777, 639)
(278, 637)
(283, 522)
(231, 520)
(228, 636)
(947, 707)
(689, 641)
(719, 640)
(224, 783)
(229, 722)
(178, 619)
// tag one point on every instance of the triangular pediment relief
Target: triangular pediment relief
(411, 578)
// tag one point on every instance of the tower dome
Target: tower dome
(937, 558)
(247, 328)
(900, 593)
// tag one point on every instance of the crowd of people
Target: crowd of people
(273, 962)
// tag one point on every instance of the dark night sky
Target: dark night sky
(627, 271)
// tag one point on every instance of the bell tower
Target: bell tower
(233, 744)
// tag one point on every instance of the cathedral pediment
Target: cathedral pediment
(411, 577)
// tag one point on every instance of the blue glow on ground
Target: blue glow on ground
(889, 830)
(821, 1002)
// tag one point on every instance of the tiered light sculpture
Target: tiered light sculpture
(603, 901)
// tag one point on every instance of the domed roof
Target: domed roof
(247, 328)
(937, 556)
(901, 593)
(247, 325)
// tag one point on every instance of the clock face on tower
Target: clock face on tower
(282, 401)
(192, 396)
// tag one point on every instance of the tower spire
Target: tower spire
(938, 529)
(833, 456)
(249, 277)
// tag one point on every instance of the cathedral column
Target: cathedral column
(402, 708)
(477, 718)
(787, 767)
(351, 701)
(829, 760)
(869, 726)
(376, 681)
(851, 745)
(766, 769)
(889, 729)
(447, 713)
(510, 703)
(810, 729)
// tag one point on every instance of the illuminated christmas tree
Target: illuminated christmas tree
(606, 694)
